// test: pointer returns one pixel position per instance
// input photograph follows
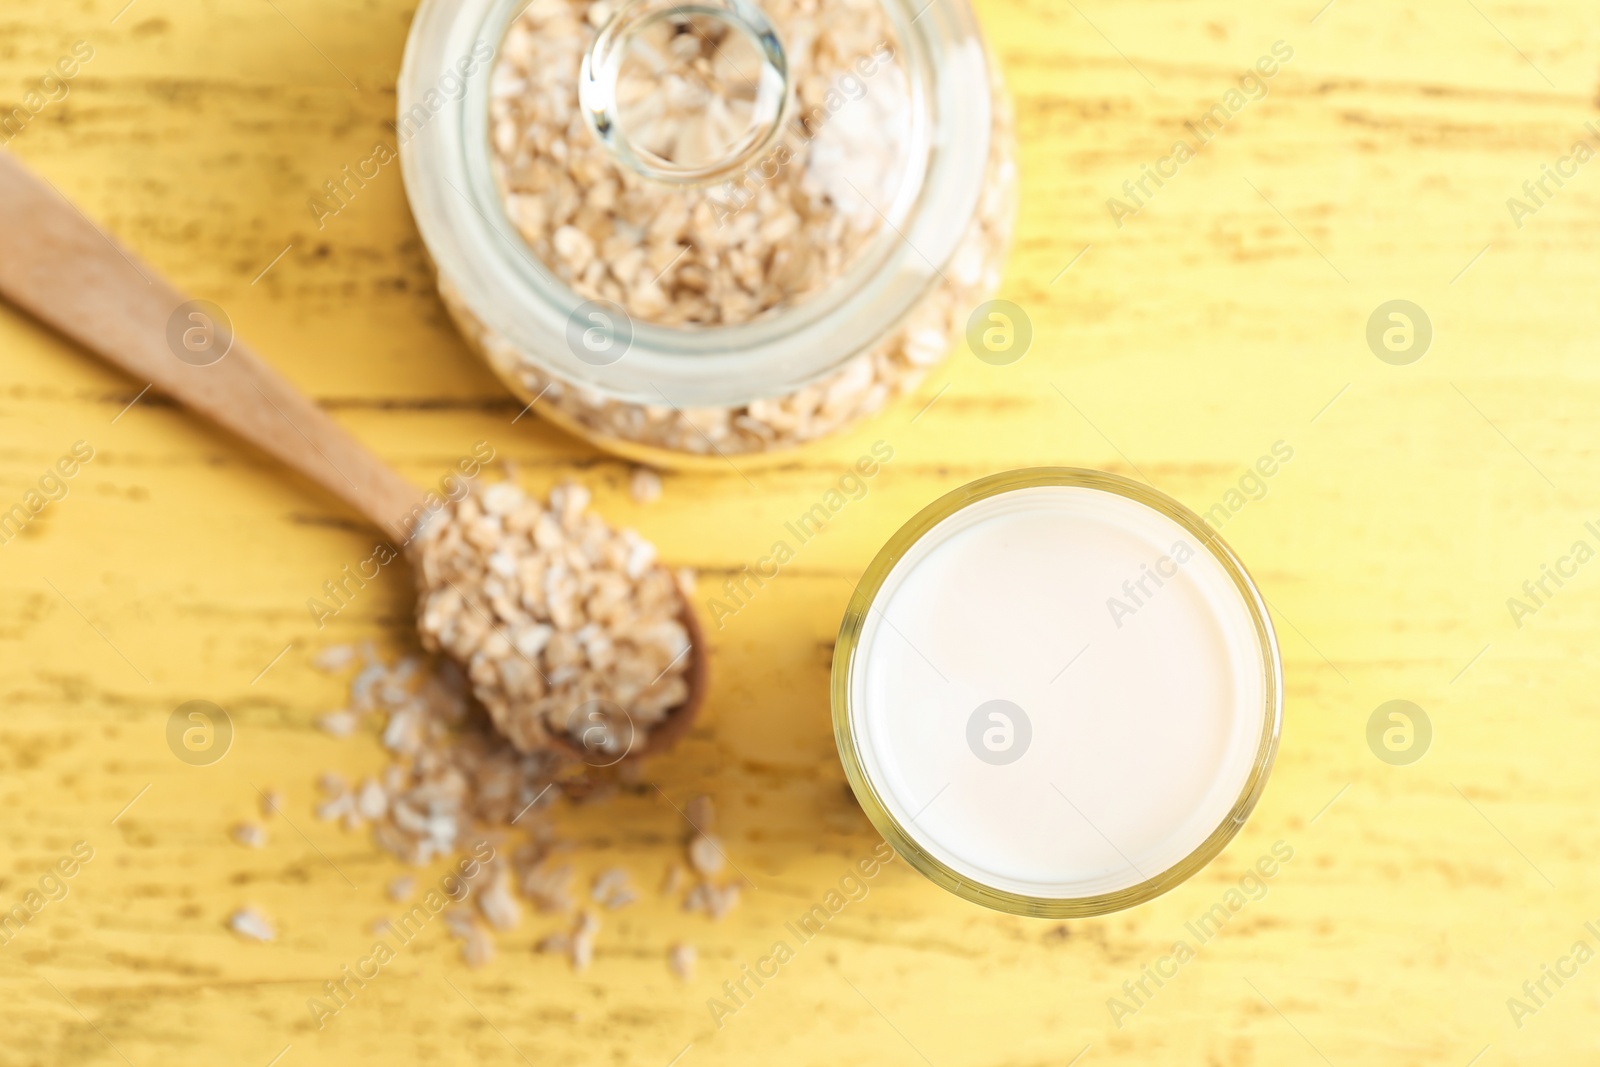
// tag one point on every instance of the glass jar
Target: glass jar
(696, 231)
(1057, 692)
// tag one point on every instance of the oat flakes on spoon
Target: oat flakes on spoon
(571, 633)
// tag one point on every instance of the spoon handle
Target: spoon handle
(70, 274)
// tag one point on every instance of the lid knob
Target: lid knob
(685, 93)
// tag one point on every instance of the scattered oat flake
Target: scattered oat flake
(609, 883)
(500, 909)
(250, 835)
(673, 882)
(583, 939)
(371, 801)
(250, 924)
(401, 888)
(556, 942)
(715, 901)
(336, 807)
(334, 658)
(644, 485)
(704, 855)
(698, 898)
(338, 723)
(549, 889)
(721, 901)
(681, 959)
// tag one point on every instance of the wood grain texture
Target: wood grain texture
(1227, 315)
(73, 277)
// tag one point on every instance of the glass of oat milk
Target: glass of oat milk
(1057, 692)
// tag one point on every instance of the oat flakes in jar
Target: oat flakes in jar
(691, 232)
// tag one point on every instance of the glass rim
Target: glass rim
(847, 646)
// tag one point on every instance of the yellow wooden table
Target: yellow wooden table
(1178, 343)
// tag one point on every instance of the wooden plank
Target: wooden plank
(1225, 316)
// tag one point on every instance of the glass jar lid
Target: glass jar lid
(752, 193)
(703, 164)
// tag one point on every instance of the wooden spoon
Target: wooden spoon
(70, 274)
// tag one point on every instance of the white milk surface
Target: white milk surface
(1139, 749)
